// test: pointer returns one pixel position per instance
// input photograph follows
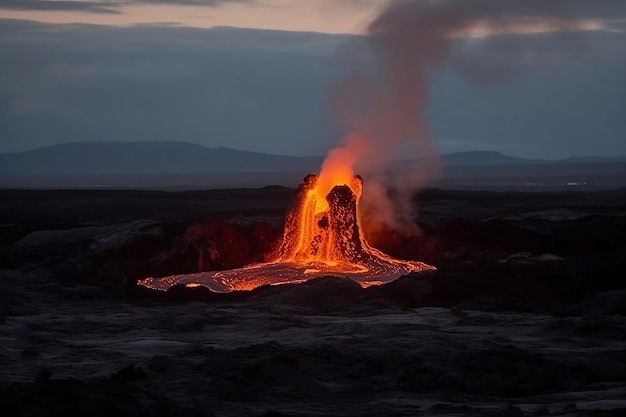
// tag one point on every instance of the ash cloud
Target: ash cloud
(384, 97)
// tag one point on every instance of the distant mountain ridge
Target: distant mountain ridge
(85, 158)
(482, 158)
(94, 158)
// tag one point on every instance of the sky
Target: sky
(260, 75)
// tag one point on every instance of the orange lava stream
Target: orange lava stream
(322, 237)
(308, 238)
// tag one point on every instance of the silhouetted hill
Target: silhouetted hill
(482, 158)
(490, 158)
(89, 158)
(103, 158)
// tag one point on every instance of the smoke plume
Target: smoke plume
(383, 98)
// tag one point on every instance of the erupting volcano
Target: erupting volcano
(322, 237)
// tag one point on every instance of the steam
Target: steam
(383, 98)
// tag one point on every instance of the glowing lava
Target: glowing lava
(322, 237)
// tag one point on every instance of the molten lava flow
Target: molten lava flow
(322, 229)
(322, 237)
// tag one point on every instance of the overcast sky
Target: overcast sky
(258, 74)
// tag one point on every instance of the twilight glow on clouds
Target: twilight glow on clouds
(328, 16)
(549, 82)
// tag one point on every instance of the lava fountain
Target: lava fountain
(322, 237)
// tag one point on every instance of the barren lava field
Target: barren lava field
(525, 315)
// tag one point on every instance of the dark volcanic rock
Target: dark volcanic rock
(212, 244)
(319, 294)
(129, 373)
(523, 335)
(342, 203)
(409, 291)
(99, 398)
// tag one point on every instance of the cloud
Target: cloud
(522, 10)
(101, 6)
(60, 5)
(209, 3)
(249, 89)
(268, 90)
(500, 58)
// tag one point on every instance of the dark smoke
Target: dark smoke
(383, 99)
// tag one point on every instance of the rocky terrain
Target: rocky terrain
(524, 316)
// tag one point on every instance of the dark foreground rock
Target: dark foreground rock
(99, 397)
(525, 315)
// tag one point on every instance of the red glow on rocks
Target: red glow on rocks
(322, 237)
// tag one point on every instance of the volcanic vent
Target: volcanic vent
(322, 237)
